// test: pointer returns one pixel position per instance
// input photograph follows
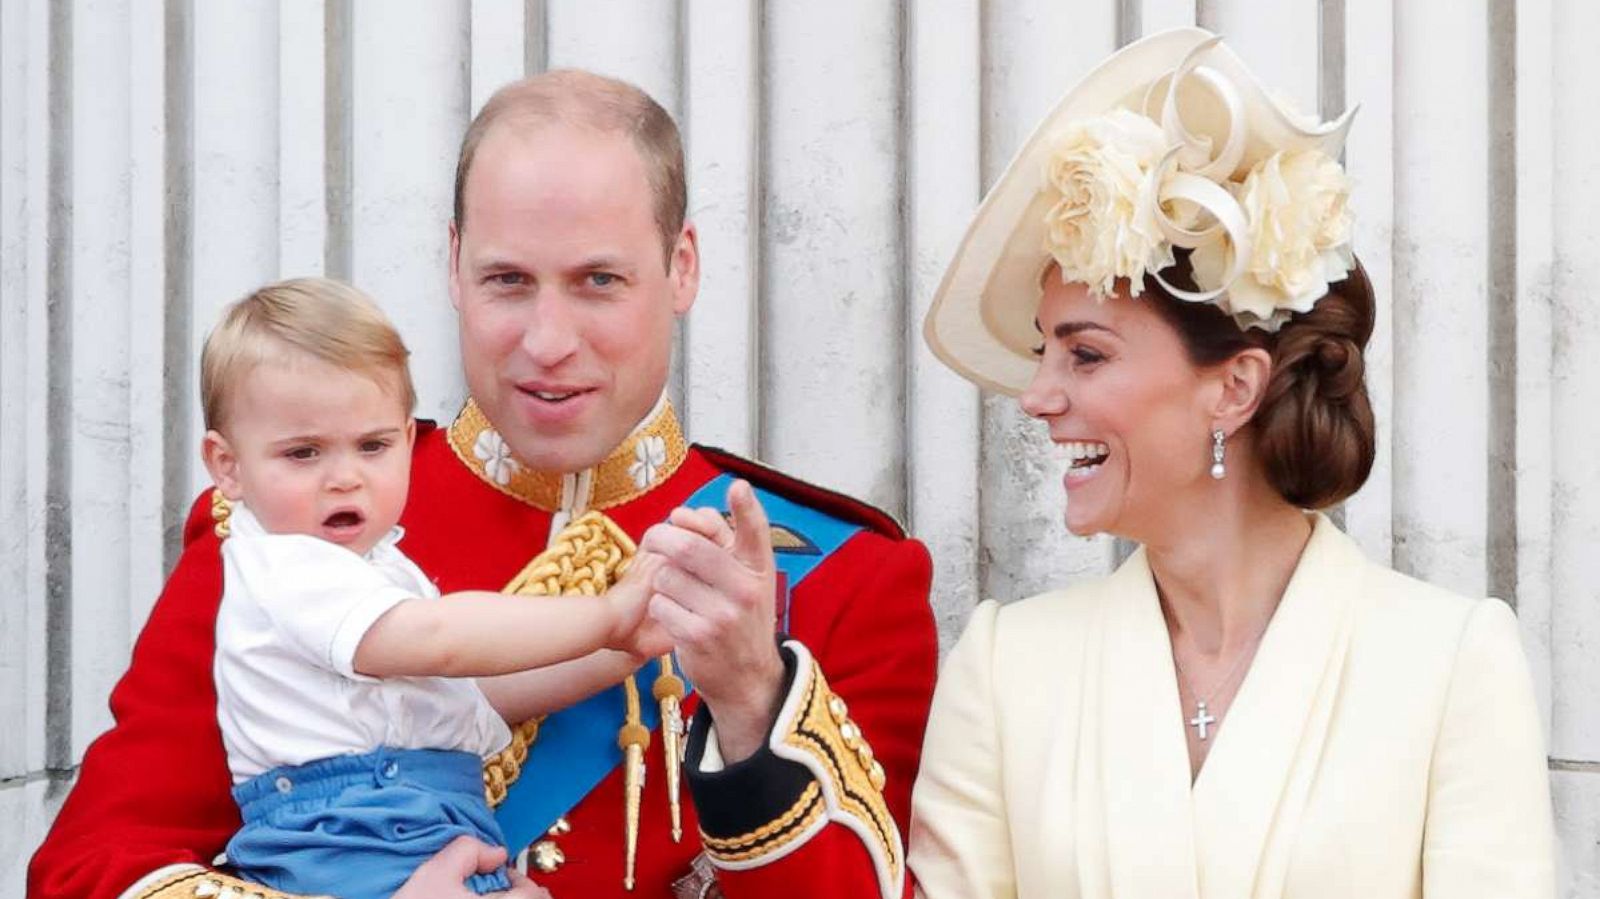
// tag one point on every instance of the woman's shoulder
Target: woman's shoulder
(1421, 609)
(1420, 633)
(1047, 623)
(1069, 599)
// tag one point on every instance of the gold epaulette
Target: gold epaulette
(201, 884)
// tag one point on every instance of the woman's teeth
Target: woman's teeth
(1084, 453)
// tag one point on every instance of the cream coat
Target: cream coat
(1384, 744)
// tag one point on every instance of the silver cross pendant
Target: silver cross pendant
(1202, 719)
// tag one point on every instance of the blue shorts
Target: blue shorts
(357, 826)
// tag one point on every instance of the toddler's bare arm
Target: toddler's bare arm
(476, 633)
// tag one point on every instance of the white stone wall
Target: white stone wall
(158, 159)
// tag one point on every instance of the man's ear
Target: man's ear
(455, 265)
(222, 463)
(1242, 382)
(683, 267)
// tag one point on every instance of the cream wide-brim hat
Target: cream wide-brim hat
(981, 321)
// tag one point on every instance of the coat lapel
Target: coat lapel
(1134, 774)
(1254, 785)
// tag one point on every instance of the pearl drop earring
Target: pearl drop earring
(1217, 468)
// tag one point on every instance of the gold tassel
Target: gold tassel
(668, 691)
(633, 739)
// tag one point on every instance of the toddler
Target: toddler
(354, 727)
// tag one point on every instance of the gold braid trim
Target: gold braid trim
(822, 730)
(221, 514)
(804, 811)
(815, 730)
(587, 557)
(762, 850)
(205, 884)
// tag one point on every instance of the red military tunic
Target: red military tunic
(801, 818)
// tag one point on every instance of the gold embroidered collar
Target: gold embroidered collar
(644, 459)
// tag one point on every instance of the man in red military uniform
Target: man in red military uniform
(570, 259)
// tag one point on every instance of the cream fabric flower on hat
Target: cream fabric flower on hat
(1103, 228)
(1298, 206)
(1165, 147)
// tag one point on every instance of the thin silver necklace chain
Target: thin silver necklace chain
(1203, 719)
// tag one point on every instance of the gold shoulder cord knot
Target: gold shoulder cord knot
(221, 511)
(588, 557)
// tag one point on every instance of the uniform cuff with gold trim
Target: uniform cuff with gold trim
(815, 768)
(734, 800)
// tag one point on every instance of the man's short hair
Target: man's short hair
(325, 319)
(576, 97)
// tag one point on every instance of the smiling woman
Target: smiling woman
(1248, 706)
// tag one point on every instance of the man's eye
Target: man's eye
(508, 279)
(602, 279)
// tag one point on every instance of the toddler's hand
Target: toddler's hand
(635, 633)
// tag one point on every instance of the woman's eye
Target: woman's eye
(1038, 350)
(1086, 356)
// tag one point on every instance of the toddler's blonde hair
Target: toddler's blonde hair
(325, 319)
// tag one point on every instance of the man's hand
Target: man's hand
(444, 876)
(635, 632)
(715, 598)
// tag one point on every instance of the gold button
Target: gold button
(561, 828)
(850, 734)
(837, 709)
(876, 775)
(547, 856)
(864, 755)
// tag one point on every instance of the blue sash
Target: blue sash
(577, 746)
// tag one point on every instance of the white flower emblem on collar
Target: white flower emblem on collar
(649, 454)
(492, 451)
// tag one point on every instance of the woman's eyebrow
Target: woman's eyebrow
(1067, 329)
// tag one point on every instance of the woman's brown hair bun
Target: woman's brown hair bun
(1314, 428)
(1315, 432)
